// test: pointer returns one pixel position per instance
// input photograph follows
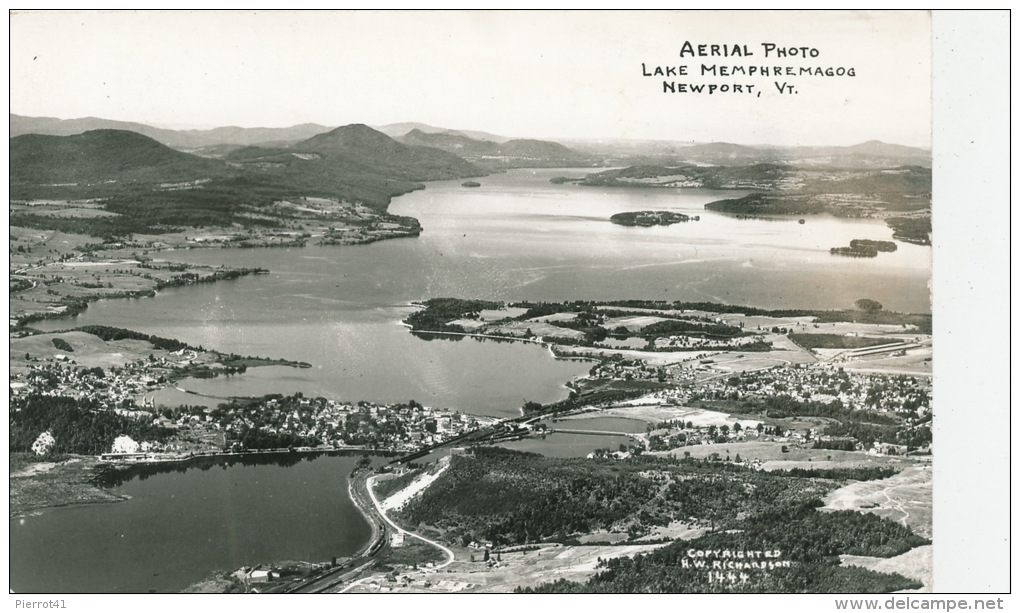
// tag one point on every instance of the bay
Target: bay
(179, 526)
(517, 237)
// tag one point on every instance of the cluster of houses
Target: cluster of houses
(398, 427)
(636, 370)
(397, 581)
(692, 342)
(826, 383)
(127, 390)
(115, 388)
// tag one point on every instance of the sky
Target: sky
(550, 74)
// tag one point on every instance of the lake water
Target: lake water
(179, 526)
(516, 237)
(338, 308)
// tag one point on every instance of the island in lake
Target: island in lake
(864, 248)
(822, 414)
(651, 218)
(897, 190)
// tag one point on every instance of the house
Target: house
(261, 576)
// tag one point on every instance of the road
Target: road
(370, 483)
(330, 579)
(381, 526)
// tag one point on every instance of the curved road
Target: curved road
(382, 513)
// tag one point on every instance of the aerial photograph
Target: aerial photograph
(365, 302)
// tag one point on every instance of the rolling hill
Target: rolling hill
(102, 157)
(397, 130)
(514, 153)
(453, 142)
(152, 188)
(178, 139)
(360, 146)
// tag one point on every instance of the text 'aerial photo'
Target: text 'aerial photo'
(458, 302)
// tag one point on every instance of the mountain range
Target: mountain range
(153, 187)
(151, 184)
(100, 157)
(497, 152)
(178, 139)
(512, 153)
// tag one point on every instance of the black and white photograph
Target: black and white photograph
(512, 302)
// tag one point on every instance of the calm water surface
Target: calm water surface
(179, 526)
(515, 237)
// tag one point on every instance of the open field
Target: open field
(917, 362)
(556, 317)
(654, 413)
(504, 313)
(797, 456)
(915, 564)
(905, 497)
(516, 569)
(724, 361)
(632, 323)
(89, 351)
(520, 328)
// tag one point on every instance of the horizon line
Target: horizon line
(927, 148)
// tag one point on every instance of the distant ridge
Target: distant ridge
(99, 156)
(178, 139)
(499, 151)
(453, 142)
(877, 147)
(520, 153)
(400, 129)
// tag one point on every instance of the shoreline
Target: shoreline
(76, 476)
(133, 274)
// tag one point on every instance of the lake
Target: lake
(180, 526)
(517, 237)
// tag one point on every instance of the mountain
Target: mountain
(178, 139)
(515, 153)
(453, 142)
(538, 149)
(399, 129)
(66, 127)
(872, 154)
(102, 157)
(361, 146)
(151, 187)
(234, 135)
(878, 148)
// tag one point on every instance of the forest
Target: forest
(515, 498)
(805, 545)
(77, 426)
(438, 312)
